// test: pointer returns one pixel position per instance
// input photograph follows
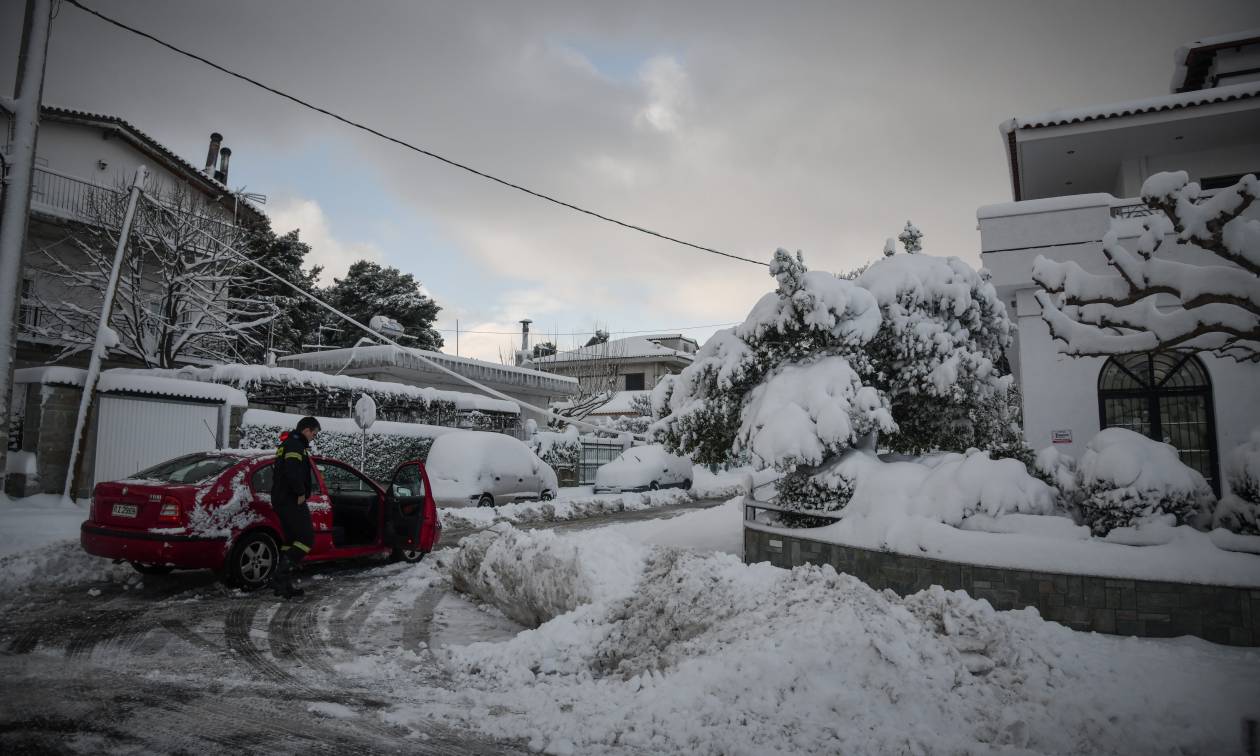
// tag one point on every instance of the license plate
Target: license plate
(126, 510)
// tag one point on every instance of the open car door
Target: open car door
(412, 512)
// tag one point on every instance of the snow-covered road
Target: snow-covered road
(181, 664)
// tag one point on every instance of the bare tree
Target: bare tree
(597, 368)
(1159, 303)
(180, 297)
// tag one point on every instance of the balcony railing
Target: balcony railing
(72, 198)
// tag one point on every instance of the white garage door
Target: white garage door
(132, 434)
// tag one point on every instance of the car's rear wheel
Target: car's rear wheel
(252, 561)
(152, 569)
(547, 496)
(486, 500)
(687, 484)
(654, 486)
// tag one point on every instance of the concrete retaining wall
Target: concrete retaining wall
(1144, 608)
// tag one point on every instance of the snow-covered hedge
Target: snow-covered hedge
(388, 444)
(560, 450)
(1127, 479)
(1239, 510)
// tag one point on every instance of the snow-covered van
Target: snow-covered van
(212, 510)
(644, 468)
(486, 469)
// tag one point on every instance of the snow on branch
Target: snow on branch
(1153, 302)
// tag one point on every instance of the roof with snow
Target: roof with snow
(141, 141)
(388, 356)
(631, 348)
(249, 376)
(145, 382)
(1193, 60)
(1244, 91)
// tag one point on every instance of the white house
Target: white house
(634, 363)
(82, 157)
(1072, 173)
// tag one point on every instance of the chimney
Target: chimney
(212, 156)
(221, 175)
(522, 354)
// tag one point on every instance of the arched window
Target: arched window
(1166, 396)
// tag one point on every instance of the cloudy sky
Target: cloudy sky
(741, 126)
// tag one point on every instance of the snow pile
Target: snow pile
(1239, 510)
(39, 545)
(706, 655)
(560, 510)
(1128, 479)
(535, 576)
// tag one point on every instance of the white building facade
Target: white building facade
(1076, 173)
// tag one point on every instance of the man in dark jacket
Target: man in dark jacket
(290, 489)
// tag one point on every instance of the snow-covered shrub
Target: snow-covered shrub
(937, 356)
(1058, 470)
(783, 387)
(560, 450)
(1127, 479)
(1239, 510)
(950, 489)
(384, 451)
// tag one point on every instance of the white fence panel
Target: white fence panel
(132, 434)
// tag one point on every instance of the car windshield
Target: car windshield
(192, 468)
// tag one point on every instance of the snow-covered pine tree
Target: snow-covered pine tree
(911, 238)
(783, 387)
(890, 247)
(369, 288)
(937, 357)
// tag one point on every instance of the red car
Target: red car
(212, 510)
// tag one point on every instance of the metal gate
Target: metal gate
(595, 454)
(132, 433)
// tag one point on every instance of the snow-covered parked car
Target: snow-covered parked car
(212, 510)
(485, 469)
(644, 468)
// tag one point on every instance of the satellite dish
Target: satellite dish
(387, 326)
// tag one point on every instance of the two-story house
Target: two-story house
(1072, 173)
(634, 363)
(84, 163)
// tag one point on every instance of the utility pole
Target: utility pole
(74, 470)
(28, 93)
(456, 337)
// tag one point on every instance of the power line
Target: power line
(401, 142)
(584, 333)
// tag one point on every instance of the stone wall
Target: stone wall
(1145, 608)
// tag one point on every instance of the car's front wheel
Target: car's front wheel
(547, 496)
(486, 500)
(654, 486)
(410, 556)
(152, 569)
(687, 484)
(252, 561)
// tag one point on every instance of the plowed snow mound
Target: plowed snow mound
(703, 654)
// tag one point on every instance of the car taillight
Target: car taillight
(170, 511)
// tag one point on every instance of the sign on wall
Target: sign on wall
(1061, 436)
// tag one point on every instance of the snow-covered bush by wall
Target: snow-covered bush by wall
(1239, 510)
(1058, 470)
(1127, 479)
(388, 444)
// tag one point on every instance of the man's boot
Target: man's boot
(282, 581)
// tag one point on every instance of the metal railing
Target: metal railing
(72, 198)
(752, 506)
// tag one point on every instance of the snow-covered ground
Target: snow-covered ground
(652, 648)
(570, 505)
(35, 521)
